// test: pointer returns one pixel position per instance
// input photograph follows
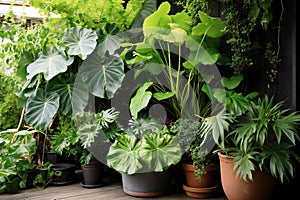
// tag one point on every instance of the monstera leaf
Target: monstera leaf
(66, 91)
(50, 64)
(81, 41)
(41, 108)
(102, 73)
(123, 154)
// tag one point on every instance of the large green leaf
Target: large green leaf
(210, 26)
(50, 64)
(81, 41)
(140, 100)
(111, 40)
(102, 74)
(160, 151)
(148, 8)
(41, 108)
(64, 87)
(123, 154)
(158, 19)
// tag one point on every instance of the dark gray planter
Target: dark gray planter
(149, 184)
(93, 174)
(67, 173)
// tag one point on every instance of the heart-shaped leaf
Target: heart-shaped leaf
(66, 91)
(102, 74)
(41, 108)
(50, 64)
(81, 41)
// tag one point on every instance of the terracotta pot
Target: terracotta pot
(205, 187)
(261, 188)
(209, 179)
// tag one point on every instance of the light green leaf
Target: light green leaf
(232, 82)
(158, 19)
(123, 154)
(210, 26)
(141, 99)
(81, 41)
(162, 95)
(50, 64)
(160, 151)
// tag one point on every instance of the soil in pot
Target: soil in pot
(261, 188)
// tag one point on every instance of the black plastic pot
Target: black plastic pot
(67, 173)
(93, 174)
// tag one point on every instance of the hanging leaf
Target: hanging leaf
(102, 74)
(81, 41)
(41, 108)
(50, 64)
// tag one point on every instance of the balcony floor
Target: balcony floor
(112, 190)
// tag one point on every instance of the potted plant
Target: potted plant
(101, 128)
(143, 154)
(200, 163)
(257, 148)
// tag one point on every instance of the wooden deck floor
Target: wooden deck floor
(112, 190)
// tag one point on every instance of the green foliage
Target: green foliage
(192, 7)
(90, 14)
(17, 151)
(21, 45)
(263, 138)
(91, 125)
(9, 108)
(191, 139)
(64, 139)
(177, 50)
(45, 176)
(154, 148)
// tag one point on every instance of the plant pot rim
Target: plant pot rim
(191, 167)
